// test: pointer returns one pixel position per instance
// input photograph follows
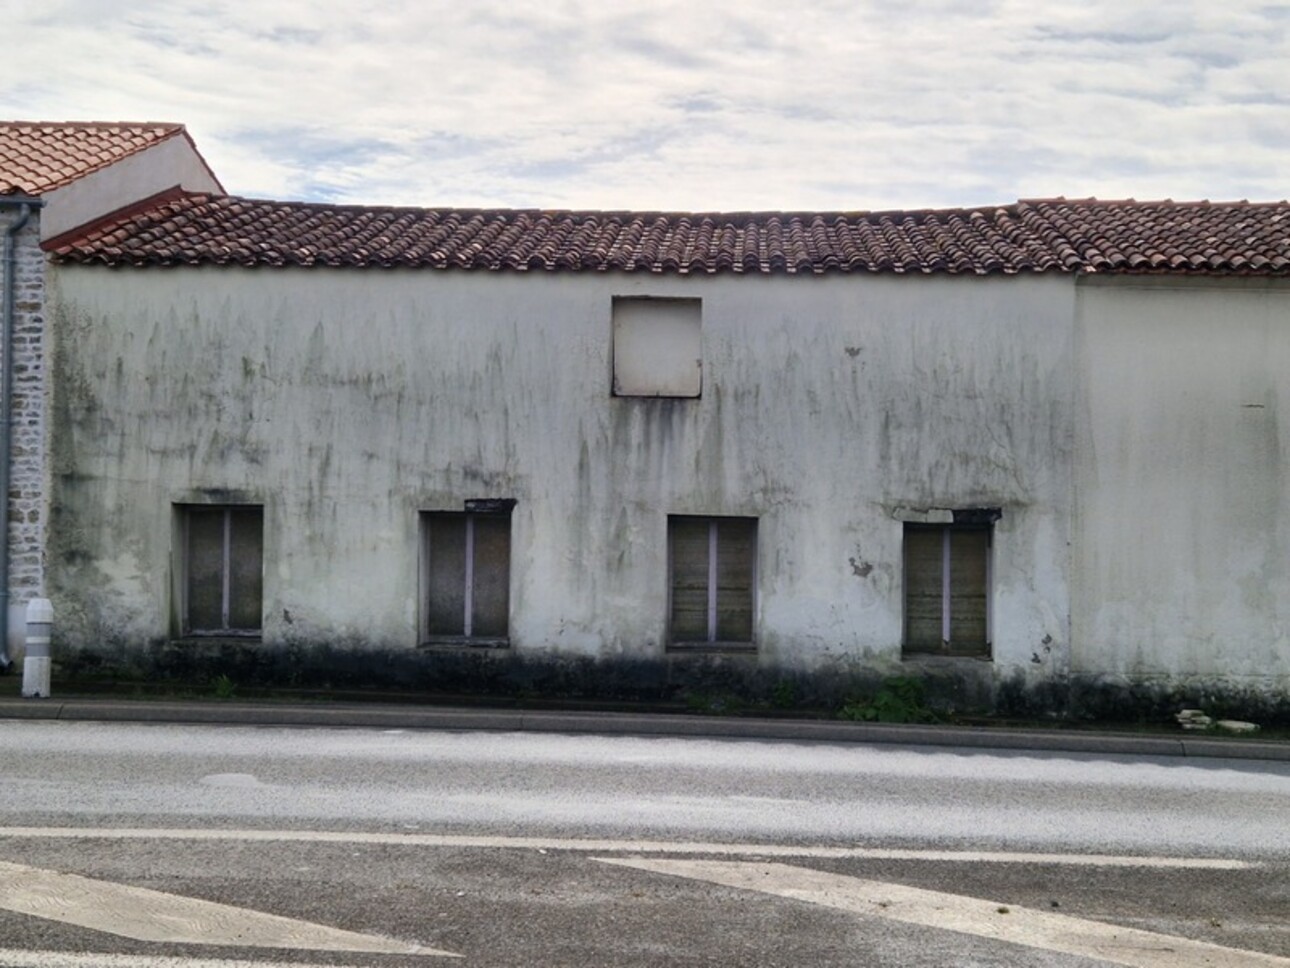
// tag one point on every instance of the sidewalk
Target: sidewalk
(389, 716)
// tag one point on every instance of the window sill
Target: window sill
(449, 642)
(906, 655)
(230, 635)
(711, 648)
(617, 395)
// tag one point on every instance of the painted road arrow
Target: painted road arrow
(145, 915)
(954, 912)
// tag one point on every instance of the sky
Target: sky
(682, 105)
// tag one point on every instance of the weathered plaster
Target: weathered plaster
(347, 401)
(1182, 565)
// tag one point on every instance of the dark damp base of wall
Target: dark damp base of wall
(713, 682)
(717, 683)
(1150, 700)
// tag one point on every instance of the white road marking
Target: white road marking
(18, 958)
(146, 915)
(966, 915)
(626, 846)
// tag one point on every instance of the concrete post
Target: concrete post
(35, 667)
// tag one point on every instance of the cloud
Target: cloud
(677, 105)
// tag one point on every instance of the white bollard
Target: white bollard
(35, 667)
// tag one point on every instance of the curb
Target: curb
(634, 724)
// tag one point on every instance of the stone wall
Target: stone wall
(27, 486)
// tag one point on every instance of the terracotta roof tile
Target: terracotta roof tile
(39, 156)
(1048, 235)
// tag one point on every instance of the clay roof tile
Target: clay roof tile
(1029, 236)
(37, 157)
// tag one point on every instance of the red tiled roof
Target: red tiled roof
(1029, 236)
(39, 156)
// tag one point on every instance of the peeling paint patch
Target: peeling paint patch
(861, 569)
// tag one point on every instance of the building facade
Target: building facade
(1031, 455)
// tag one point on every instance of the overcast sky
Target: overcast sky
(689, 105)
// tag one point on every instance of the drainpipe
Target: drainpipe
(23, 204)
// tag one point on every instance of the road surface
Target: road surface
(150, 845)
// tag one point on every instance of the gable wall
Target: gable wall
(173, 162)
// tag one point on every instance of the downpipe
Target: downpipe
(24, 205)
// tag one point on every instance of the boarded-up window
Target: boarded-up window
(947, 589)
(713, 573)
(468, 574)
(223, 570)
(657, 347)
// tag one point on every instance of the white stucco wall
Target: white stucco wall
(1182, 567)
(348, 400)
(173, 162)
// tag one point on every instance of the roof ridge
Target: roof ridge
(729, 215)
(176, 125)
(1092, 201)
(735, 215)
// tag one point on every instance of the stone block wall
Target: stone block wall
(27, 484)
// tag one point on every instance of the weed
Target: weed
(784, 694)
(900, 699)
(224, 687)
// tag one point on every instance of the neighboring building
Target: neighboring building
(1032, 452)
(54, 178)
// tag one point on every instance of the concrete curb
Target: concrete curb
(340, 715)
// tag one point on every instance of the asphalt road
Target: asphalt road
(530, 849)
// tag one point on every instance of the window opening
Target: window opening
(468, 573)
(948, 577)
(713, 574)
(223, 570)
